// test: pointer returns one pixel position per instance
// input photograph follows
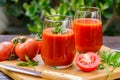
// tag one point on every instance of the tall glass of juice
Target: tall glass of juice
(58, 44)
(87, 26)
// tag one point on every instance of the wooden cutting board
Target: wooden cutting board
(73, 70)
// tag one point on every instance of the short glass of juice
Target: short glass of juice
(58, 44)
(87, 27)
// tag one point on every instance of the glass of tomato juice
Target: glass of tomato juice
(87, 26)
(58, 44)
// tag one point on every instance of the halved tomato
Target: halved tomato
(88, 61)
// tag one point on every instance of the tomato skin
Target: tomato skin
(29, 48)
(85, 65)
(40, 45)
(5, 50)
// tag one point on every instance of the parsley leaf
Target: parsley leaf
(22, 64)
(32, 63)
(28, 62)
(110, 59)
(59, 29)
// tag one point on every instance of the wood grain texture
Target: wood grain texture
(110, 41)
(73, 70)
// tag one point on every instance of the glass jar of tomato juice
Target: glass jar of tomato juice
(58, 45)
(87, 26)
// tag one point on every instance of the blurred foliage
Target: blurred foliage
(12, 7)
(36, 10)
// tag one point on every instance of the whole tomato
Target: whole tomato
(40, 45)
(88, 61)
(26, 46)
(5, 50)
(38, 38)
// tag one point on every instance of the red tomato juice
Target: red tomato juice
(58, 49)
(88, 34)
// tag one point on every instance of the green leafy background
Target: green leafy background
(32, 12)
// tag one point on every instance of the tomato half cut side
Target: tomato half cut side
(88, 62)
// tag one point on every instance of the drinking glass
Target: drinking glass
(58, 42)
(87, 27)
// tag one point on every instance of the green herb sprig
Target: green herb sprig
(110, 59)
(28, 62)
(59, 29)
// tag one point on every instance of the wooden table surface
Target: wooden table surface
(110, 41)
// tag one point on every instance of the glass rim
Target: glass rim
(96, 9)
(47, 18)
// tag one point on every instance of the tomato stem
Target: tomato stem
(19, 40)
(38, 37)
(22, 40)
(12, 54)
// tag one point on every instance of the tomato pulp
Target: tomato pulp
(88, 34)
(58, 49)
(88, 61)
